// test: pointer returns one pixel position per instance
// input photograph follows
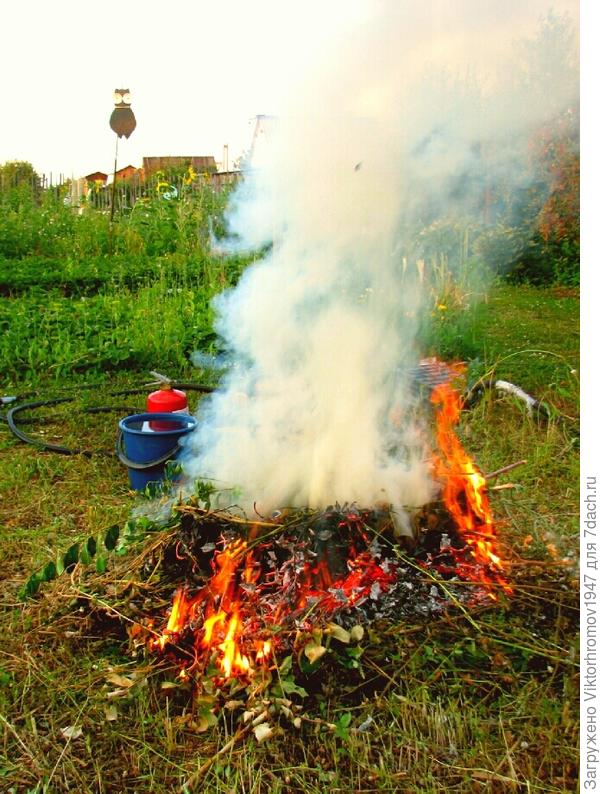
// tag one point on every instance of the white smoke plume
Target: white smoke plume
(404, 120)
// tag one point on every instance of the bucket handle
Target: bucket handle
(131, 464)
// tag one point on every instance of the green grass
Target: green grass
(84, 276)
(521, 334)
(137, 330)
(485, 704)
(477, 702)
(155, 322)
(484, 701)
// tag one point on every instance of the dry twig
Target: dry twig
(504, 469)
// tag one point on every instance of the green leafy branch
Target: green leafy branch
(115, 539)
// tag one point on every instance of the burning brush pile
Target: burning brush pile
(251, 592)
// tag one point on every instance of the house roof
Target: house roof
(126, 168)
(198, 163)
(95, 175)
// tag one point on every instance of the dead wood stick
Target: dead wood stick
(506, 487)
(199, 773)
(504, 469)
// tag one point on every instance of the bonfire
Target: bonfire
(246, 616)
(254, 589)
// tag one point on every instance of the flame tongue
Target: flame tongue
(222, 629)
(222, 624)
(233, 661)
(465, 496)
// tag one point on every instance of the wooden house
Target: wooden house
(201, 165)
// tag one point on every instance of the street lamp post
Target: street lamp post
(123, 123)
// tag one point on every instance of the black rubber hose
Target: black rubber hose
(62, 450)
(195, 387)
(45, 445)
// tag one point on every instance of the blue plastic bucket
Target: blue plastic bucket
(145, 451)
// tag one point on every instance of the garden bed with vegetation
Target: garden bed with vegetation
(478, 700)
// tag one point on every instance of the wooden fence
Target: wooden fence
(129, 191)
(79, 192)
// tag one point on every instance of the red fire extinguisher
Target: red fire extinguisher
(166, 399)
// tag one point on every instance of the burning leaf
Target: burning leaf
(263, 732)
(136, 630)
(465, 496)
(71, 732)
(254, 593)
(313, 651)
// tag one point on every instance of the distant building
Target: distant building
(96, 176)
(127, 172)
(82, 186)
(202, 165)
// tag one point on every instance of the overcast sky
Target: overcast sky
(198, 71)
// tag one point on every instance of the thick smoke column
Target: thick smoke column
(396, 127)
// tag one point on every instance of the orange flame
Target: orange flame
(264, 650)
(233, 662)
(221, 614)
(180, 614)
(347, 590)
(222, 627)
(465, 495)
